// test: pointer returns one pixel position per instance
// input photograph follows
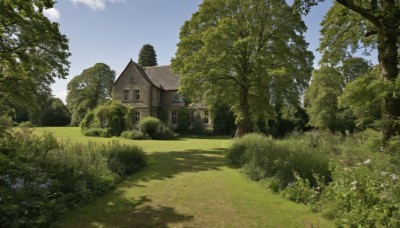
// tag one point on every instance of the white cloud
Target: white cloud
(95, 4)
(53, 14)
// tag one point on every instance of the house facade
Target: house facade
(151, 88)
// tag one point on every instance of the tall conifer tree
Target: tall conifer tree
(147, 56)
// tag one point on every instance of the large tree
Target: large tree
(363, 97)
(321, 99)
(89, 89)
(350, 24)
(32, 50)
(328, 84)
(249, 53)
(147, 56)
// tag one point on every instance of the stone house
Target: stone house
(151, 88)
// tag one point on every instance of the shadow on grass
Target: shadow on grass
(115, 211)
(164, 165)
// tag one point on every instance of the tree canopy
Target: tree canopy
(350, 25)
(32, 50)
(321, 98)
(328, 85)
(147, 56)
(250, 53)
(89, 89)
(363, 97)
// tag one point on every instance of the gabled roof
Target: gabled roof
(140, 70)
(163, 77)
(158, 76)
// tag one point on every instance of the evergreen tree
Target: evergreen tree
(147, 56)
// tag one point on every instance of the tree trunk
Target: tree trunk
(244, 122)
(388, 56)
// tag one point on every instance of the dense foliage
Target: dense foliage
(250, 54)
(349, 26)
(32, 51)
(114, 119)
(348, 178)
(261, 157)
(147, 56)
(88, 90)
(149, 125)
(111, 116)
(41, 178)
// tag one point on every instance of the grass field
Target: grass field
(188, 183)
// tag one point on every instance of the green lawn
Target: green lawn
(188, 184)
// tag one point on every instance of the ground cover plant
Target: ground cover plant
(41, 178)
(352, 179)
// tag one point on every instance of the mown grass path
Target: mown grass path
(188, 183)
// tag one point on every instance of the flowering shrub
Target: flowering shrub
(358, 186)
(364, 196)
(41, 178)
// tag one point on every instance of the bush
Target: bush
(133, 134)
(41, 179)
(105, 133)
(6, 124)
(163, 133)
(26, 124)
(88, 121)
(97, 132)
(94, 132)
(124, 160)
(364, 196)
(149, 125)
(300, 191)
(261, 157)
(393, 146)
(197, 126)
(110, 115)
(370, 140)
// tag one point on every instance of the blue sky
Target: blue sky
(113, 31)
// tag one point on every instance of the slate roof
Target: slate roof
(163, 77)
(159, 76)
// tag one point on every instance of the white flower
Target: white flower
(354, 183)
(353, 188)
(383, 173)
(394, 176)
(367, 162)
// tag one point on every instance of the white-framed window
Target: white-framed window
(136, 95)
(174, 117)
(126, 94)
(205, 117)
(131, 78)
(136, 117)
